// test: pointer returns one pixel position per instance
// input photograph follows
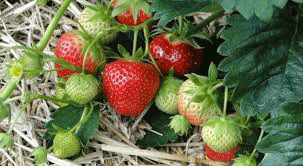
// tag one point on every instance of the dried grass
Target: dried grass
(23, 23)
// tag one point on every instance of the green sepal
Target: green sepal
(32, 64)
(197, 79)
(179, 124)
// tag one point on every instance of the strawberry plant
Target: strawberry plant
(104, 86)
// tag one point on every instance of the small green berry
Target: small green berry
(6, 140)
(82, 88)
(66, 144)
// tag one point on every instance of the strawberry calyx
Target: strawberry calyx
(221, 133)
(182, 32)
(244, 160)
(206, 93)
(179, 124)
(133, 8)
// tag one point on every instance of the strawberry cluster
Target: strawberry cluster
(131, 82)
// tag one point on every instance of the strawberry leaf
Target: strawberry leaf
(285, 135)
(67, 117)
(159, 122)
(167, 10)
(264, 61)
(264, 9)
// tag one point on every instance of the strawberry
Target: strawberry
(130, 85)
(220, 156)
(131, 12)
(70, 48)
(82, 88)
(66, 144)
(196, 102)
(166, 99)
(6, 140)
(177, 54)
(96, 20)
(221, 133)
(244, 160)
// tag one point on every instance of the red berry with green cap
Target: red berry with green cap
(131, 12)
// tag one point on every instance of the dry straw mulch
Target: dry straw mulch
(23, 23)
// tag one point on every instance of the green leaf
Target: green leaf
(246, 8)
(261, 8)
(167, 10)
(285, 135)
(275, 159)
(159, 122)
(264, 62)
(228, 4)
(298, 1)
(67, 117)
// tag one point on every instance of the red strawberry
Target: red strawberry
(70, 49)
(125, 13)
(179, 55)
(130, 85)
(217, 156)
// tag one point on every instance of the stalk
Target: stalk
(10, 87)
(135, 41)
(53, 25)
(259, 140)
(225, 101)
(146, 35)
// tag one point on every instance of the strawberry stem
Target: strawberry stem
(225, 101)
(135, 41)
(255, 149)
(10, 87)
(146, 35)
(180, 20)
(84, 117)
(53, 25)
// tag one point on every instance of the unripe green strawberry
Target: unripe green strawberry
(179, 124)
(97, 20)
(40, 155)
(166, 99)
(66, 144)
(32, 64)
(221, 133)
(6, 140)
(82, 88)
(197, 102)
(244, 160)
(4, 111)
